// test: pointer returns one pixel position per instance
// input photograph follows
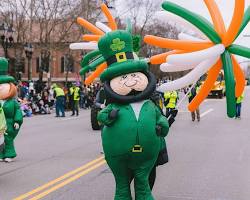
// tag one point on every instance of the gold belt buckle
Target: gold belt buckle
(137, 149)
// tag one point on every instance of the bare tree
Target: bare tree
(49, 24)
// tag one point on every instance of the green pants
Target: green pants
(9, 148)
(132, 165)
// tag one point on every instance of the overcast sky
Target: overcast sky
(199, 7)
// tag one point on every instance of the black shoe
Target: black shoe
(57, 116)
(63, 116)
(72, 115)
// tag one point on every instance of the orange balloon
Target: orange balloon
(177, 44)
(161, 58)
(216, 17)
(84, 23)
(234, 27)
(111, 20)
(206, 87)
(239, 78)
(96, 73)
(90, 38)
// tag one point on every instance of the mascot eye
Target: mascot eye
(133, 75)
(124, 77)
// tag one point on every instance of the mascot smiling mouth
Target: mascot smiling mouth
(130, 85)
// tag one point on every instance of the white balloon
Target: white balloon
(103, 27)
(189, 78)
(84, 45)
(184, 36)
(170, 18)
(166, 67)
(196, 57)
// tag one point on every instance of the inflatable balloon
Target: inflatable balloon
(184, 36)
(87, 37)
(198, 51)
(196, 57)
(189, 78)
(83, 45)
(103, 27)
(93, 61)
(166, 17)
(166, 67)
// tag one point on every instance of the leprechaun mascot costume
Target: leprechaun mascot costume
(13, 114)
(133, 125)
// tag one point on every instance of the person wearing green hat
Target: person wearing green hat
(12, 111)
(133, 125)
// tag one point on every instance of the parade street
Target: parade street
(61, 159)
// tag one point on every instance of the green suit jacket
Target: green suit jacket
(120, 135)
(13, 114)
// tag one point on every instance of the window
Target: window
(37, 64)
(67, 63)
(62, 64)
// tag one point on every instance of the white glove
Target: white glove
(102, 106)
(16, 126)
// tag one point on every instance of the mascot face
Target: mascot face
(131, 87)
(129, 83)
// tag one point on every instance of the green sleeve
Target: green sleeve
(18, 118)
(162, 121)
(102, 116)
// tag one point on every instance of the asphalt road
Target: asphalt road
(209, 160)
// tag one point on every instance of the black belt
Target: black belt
(120, 57)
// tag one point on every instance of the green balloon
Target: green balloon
(96, 62)
(230, 84)
(91, 66)
(245, 21)
(128, 26)
(89, 56)
(200, 22)
(136, 43)
(239, 50)
(84, 70)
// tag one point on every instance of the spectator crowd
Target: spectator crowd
(35, 98)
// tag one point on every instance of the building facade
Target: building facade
(57, 65)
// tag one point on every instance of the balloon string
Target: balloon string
(182, 100)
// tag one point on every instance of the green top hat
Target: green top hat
(4, 78)
(117, 49)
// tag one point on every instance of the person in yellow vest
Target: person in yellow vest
(59, 95)
(75, 96)
(170, 100)
(191, 96)
(238, 106)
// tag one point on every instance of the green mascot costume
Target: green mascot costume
(133, 124)
(13, 114)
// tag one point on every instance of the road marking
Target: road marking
(206, 112)
(183, 111)
(71, 179)
(59, 179)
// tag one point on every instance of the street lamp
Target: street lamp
(28, 48)
(6, 37)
